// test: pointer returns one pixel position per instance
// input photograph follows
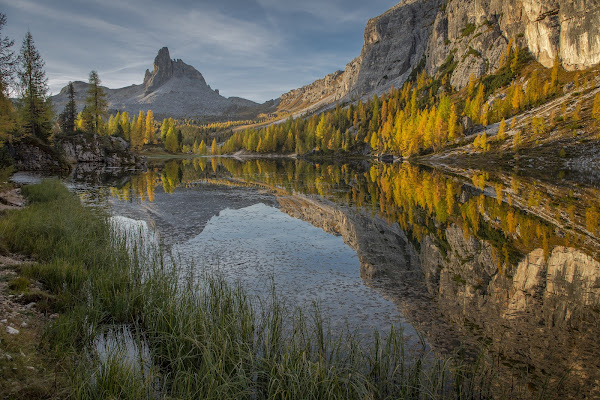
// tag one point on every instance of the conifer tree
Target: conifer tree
(171, 141)
(125, 125)
(213, 147)
(596, 107)
(35, 114)
(7, 59)
(7, 65)
(96, 102)
(452, 124)
(555, 71)
(471, 86)
(67, 118)
(149, 134)
(502, 130)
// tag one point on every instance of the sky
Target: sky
(256, 49)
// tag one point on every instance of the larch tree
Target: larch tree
(452, 124)
(35, 113)
(596, 107)
(171, 141)
(502, 130)
(213, 147)
(202, 148)
(149, 134)
(66, 119)
(96, 102)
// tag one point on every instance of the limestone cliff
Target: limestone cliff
(475, 33)
(463, 37)
(394, 44)
(165, 69)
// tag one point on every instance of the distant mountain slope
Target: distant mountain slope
(172, 89)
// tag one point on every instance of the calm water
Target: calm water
(465, 259)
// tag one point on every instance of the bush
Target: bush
(468, 29)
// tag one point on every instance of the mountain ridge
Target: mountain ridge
(172, 89)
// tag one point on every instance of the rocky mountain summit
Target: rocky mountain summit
(172, 89)
(458, 37)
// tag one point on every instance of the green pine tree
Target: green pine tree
(35, 112)
(66, 119)
(96, 102)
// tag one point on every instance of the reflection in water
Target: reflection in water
(467, 257)
(260, 246)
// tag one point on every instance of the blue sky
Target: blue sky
(257, 49)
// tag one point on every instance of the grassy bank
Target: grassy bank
(196, 337)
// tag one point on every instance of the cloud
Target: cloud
(334, 12)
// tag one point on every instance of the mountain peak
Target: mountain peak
(165, 68)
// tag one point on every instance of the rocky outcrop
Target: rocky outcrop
(110, 151)
(474, 34)
(165, 69)
(31, 154)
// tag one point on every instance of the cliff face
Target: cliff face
(165, 69)
(475, 33)
(472, 34)
(394, 43)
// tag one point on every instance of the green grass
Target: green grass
(19, 284)
(206, 338)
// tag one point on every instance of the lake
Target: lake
(457, 258)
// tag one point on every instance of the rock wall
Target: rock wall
(473, 34)
(111, 151)
(30, 154)
(394, 44)
(476, 33)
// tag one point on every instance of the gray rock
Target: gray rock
(12, 331)
(467, 124)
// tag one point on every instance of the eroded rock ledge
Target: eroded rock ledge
(31, 154)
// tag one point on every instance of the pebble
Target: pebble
(4, 321)
(12, 331)
(54, 316)
(30, 305)
(23, 324)
(30, 368)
